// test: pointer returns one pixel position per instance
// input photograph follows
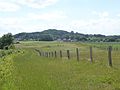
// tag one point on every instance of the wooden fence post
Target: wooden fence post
(91, 56)
(60, 54)
(77, 51)
(68, 54)
(51, 54)
(40, 53)
(47, 54)
(110, 55)
(55, 54)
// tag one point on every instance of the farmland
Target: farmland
(30, 71)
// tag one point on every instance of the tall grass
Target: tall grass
(6, 73)
(7, 68)
(33, 72)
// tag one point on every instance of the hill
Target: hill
(53, 34)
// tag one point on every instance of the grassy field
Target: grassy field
(35, 72)
(6, 69)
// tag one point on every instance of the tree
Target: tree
(46, 37)
(6, 40)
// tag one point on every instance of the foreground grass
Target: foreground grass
(40, 73)
(7, 69)
(6, 73)
(25, 70)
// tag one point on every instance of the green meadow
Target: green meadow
(25, 69)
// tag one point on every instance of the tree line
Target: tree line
(53, 34)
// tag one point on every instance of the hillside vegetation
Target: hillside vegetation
(53, 34)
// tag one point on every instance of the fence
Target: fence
(92, 54)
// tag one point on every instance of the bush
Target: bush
(6, 40)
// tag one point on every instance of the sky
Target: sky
(83, 16)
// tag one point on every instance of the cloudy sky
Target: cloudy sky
(84, 16)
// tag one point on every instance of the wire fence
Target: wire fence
(107, 55)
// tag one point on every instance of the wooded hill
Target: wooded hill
(61, 35)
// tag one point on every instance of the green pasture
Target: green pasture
(34, 72)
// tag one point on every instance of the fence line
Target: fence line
(68, 53)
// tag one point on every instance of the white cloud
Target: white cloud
(100, 25)
(47, 16)
(118, 15)
(12, 24)
(12, 5)
(24, 24)
(97, 26)
(106, 26)
(101, 14)
(37, 3)
(8, 7)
